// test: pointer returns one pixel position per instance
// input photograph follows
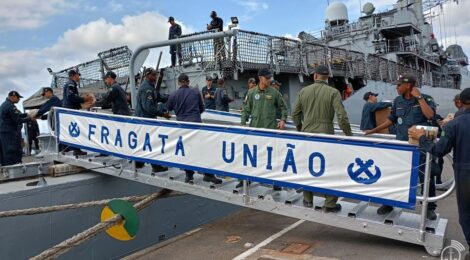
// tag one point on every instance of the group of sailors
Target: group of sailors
(264, 107)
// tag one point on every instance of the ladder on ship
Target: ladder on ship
(361, 216)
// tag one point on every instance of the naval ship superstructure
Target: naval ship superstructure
(366, 55)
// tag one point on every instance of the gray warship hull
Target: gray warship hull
(23, 237)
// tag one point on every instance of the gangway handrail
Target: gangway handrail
(177, 41)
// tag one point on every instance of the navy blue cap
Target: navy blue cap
(264, 73)
(321, 70)
(110, 74)
(368, 94)
(46, 89)
(465, 96)
(73, 72)
(171, 18)
(14, 94)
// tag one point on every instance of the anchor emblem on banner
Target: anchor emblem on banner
(364, 168)
(74, 130)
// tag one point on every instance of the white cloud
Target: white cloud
(29, 14)
(26, 72)
(251, 8)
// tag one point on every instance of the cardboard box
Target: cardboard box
(381, 116)
(431, 133)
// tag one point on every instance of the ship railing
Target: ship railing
(203, 42)
(92, 72)
(252, 51)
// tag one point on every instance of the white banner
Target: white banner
(352, 167)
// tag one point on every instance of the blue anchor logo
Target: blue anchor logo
(74, 130)
(364, 168)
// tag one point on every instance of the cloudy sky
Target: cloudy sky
(35, 35)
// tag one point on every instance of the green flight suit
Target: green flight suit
(317, 105)
(261, 106)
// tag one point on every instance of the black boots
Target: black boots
(211, 178)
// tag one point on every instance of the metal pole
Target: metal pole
(202, 37)
(424, 209)
(246, 192)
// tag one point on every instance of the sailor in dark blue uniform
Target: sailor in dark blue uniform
(410, 108)
(217, 25)
(208, 92)
(174, 33)
(368, 111)
(52, 101)
(150, 105)
(11, 120)
(455, 137)
(222, 99)
(188, 106)
(116, 98)
(72, 100)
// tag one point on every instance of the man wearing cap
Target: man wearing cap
(71, 98)
(188, 106)
(251, 84)
(116, 97)
(148, 106)
(317, 104)
(368, 111)
(217, 24)
(52, 101)
(261, 104)
(221, 97)
(208, 92)
(410, 108)
(175, 32)
(454, 137)
(11, 120)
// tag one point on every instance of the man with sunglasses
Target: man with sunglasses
(410, 108)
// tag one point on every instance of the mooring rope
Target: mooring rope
(84, 236)
(41, 210)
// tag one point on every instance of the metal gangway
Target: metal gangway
(402, 225)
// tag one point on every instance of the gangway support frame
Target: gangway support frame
(399, 225)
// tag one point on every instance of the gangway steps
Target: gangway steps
(357, 216)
